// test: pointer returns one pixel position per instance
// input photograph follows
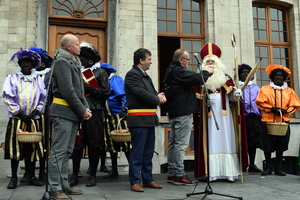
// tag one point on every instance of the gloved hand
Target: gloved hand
(124, 114)
(283, 111)
(34, 113)
(274, 110)
(238, 93)
(23, 117)
(88, 88)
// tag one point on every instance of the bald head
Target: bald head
(70, 43)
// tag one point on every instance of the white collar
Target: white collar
(242, 83)
(276, 87)
(43, 72)
(95, 66)
(29, 77)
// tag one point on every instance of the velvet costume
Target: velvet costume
(23, 93)
(116, 104)
(224, 157)
(267, 98)
(252, 114)
(93, 133)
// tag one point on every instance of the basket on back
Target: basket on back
(277, 128)
(29, 137)
(120, 135)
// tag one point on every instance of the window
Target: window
(180, 24)
(79, 9)
(182, 20)
(272, 40)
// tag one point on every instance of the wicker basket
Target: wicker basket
(29, 137)
(120, 135)
(277, 128)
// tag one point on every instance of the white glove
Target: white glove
(238, 93)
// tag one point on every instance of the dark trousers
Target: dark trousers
(141, 154)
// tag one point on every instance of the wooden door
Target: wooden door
(96, 37)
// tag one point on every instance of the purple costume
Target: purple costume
(22, 93)
(252, 114)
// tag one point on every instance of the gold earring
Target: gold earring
(91, 62)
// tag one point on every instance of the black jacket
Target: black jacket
(140, 94)
(99, 95)
(179, 82)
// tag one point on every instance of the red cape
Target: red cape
(200, 141)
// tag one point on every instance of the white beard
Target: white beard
(216, 80)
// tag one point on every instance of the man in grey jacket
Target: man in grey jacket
(69, 106)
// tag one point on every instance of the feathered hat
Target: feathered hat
(46, 59)
(210, 49)
(270, 68)
(107, 67)
(25, 53)
(89, 52)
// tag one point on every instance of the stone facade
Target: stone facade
(134, 25)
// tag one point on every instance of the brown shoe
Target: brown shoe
(153, 185)
(137, 188)
(59, 195)
(71, 191)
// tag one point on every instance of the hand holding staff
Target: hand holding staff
(233, 43)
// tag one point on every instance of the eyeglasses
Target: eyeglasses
(186, 58)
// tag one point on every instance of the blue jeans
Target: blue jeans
(63, 141)
(178, 140)
(141, 154)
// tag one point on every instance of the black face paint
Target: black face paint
(278, 78)
(26, 65)
(244, 74)
(85, 62)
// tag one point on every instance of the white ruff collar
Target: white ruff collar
(95, 66)
(276, 87)
(29, 77)
(242, 83)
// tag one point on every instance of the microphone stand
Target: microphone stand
(208, 190)
(46, 112)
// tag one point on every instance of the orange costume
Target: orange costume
(282, 98)
(269, 97)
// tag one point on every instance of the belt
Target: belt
(60, 101)
(133, 112)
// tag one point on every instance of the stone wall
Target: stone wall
(135, 26)
(17, 30)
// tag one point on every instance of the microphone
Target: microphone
(197, 58)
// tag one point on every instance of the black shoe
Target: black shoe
(79, 173)
(34, 181)
(112, 174)
(267, 171)
(92, 182)
(278, 171)
(104, 169)
(254, 168)
(88, 171)
(42, 177)
(12, 183)
(25, 178)
(73, 181)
